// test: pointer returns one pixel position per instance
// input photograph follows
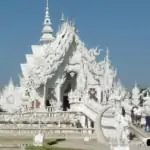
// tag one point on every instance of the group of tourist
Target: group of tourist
(136, 115)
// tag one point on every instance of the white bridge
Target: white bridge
(60, 124)
(54, 123)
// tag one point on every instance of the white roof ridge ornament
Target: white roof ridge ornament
(47, 30)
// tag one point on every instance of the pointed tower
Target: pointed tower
(47, 30)
(135, 89)
(62, 17)
(135, 94)
(107, 61)
(106, 70)
(107, 55)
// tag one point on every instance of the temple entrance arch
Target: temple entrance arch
(68, 85)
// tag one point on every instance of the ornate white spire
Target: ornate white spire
(135, 84)
(47, 30)
(135, 94)
(107, 54)
(136, 88)
(62, 17)
(107, 61)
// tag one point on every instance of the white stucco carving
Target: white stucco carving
(10, 98)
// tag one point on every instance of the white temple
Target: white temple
(62, 74)
(63, 89)
(61, 71)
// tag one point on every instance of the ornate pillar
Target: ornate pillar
(99, 95)
(58, 95)
(44, 96)
(104, 97)
(83, 120)
(89, 123)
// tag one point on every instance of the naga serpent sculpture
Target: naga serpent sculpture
(98, 126)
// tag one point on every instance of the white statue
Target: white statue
(121, 128)
(38, 140)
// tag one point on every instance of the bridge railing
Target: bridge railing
(53, 132)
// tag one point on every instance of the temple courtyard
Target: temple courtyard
(74, 144)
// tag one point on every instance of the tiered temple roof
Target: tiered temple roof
(46, 58)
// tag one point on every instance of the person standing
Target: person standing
(132, 116)
(123, 112)
(135, 115)
(139, 116)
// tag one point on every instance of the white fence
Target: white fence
(50, 132)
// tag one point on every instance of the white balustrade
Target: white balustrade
(48, 131)
(52, 122)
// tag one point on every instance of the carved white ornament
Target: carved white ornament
(10, 99)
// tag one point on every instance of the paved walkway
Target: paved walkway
(80, 144)
(72, 143)
(93, 145)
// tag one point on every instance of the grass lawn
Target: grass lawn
(48, 145)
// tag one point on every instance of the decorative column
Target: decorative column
(89, 123)
(99, 94)
(44, 96)
(83, 120)
(58, 94)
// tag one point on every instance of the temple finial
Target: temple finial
(107, 53)
(47, 30)
(47, 3)
(135, 83)
(62, 17)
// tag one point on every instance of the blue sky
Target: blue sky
(122, 25)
